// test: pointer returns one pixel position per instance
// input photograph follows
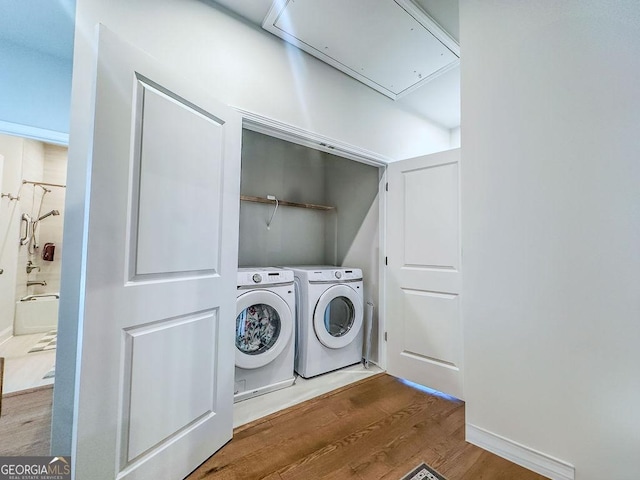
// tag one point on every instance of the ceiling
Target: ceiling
(437, 100)
(25, 22)
(43, 25)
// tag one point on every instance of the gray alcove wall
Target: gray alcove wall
(291, 172)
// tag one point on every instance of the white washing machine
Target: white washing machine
(329, 318)
(265, 325)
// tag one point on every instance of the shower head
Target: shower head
(52, 212)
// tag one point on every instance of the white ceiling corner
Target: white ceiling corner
(393, 48)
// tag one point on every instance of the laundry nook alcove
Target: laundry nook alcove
(304, 206)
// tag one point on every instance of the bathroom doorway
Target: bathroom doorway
(32, 184)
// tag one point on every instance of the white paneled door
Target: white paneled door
(424, 329)
(155, 390)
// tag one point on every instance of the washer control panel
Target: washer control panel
(248, 277)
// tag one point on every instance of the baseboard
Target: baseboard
(524, 456)
(6, 334)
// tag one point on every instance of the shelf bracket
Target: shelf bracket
(272, 197)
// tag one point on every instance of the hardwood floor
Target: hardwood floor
(302, 390)
(378, 428)
(25, 423)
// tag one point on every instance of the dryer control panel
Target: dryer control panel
(335, 275)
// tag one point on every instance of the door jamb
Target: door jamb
(284, 131)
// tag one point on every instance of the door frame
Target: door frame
(273, 128)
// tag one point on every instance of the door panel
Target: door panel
(431, 216)
(424, 328)
(155, 393)
(429, 321)
(172, 190)
(166, 404)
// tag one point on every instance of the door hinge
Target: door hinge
(385, 336)
(386, 186)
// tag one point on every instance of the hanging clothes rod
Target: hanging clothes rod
(248, 198)
(42, 184)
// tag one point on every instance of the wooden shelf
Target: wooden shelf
(283, 203)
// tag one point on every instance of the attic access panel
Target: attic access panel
(392, 46)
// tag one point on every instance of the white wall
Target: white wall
(244, 67)
(35, 93)
(551, 228)
(364, 253)
(352, 187)
(249, 68)
(455, 137)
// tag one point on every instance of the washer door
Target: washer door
(337, 318)
(264, 325)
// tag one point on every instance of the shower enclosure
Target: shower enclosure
(36, 309)
(32, 185)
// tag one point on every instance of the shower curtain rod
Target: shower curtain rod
(44, 184)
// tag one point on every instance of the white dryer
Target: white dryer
(328, 319)
(265, 326)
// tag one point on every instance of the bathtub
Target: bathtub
(36, 314)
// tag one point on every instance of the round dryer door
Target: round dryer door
(337, 318)
(264, 326)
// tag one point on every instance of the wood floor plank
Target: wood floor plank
(25, 424)
(384, 430)
(372, 437)
(266, 450)
(376, 429)
(407, 435)
(434, 435)
(370, 466)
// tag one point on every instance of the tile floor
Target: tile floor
(24, 370)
